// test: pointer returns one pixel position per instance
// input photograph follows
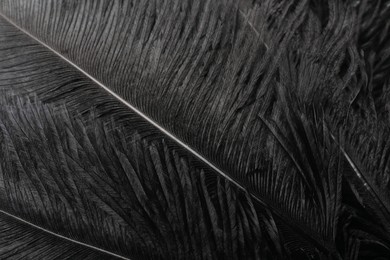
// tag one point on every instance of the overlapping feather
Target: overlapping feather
(258, 162)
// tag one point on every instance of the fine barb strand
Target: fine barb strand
(246, 17)
(250, 23)
(63, 237)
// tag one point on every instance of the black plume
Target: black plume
(179, 129)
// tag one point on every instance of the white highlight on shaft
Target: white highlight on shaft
(138, 112)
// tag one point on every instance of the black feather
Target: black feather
(178, 129)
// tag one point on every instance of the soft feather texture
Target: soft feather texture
(278, 95)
